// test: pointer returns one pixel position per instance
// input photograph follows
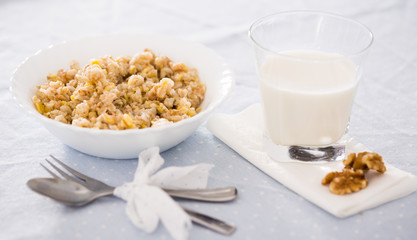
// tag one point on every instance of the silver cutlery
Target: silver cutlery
(102, 189)
(79, 190)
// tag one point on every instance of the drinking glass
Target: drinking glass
(309, 64)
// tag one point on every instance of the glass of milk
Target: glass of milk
(309, 64)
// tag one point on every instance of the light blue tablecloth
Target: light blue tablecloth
(384, 119)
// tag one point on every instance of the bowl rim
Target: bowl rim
(227, 81)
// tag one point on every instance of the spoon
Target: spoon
(74, 194)
(64, 191)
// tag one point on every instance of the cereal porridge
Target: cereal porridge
(142, 91)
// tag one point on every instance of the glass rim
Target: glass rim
(259, 20)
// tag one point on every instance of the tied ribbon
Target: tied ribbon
(147, 203)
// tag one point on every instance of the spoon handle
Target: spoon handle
(208, 195)
(211, 223)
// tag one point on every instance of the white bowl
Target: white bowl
(122, 144)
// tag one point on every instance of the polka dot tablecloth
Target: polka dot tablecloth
(383, 118)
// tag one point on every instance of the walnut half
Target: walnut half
(345, 182)
(365, 161)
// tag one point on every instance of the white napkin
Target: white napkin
(243, 132)
(147, 202)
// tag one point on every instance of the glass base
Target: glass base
(307, 154)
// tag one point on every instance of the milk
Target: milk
(307, 97)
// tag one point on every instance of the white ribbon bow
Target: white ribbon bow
(147, 202)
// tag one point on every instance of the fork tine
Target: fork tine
(76, 173)
(64, 174)
(49, 171)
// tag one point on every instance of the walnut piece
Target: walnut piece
(365, 161)
(352, 178)
(345, 182)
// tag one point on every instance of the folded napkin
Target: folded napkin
(147, 203)
(243, 132)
